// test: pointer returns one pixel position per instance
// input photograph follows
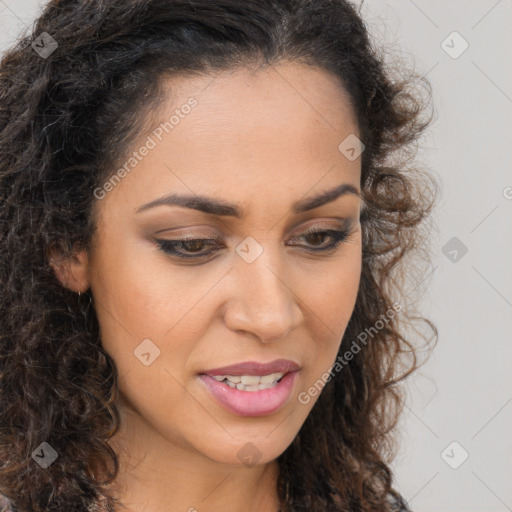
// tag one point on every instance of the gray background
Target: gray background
(463, 393)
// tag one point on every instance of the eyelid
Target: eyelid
(324, 224)
(212, 233)
(189, 235)
(338, 235)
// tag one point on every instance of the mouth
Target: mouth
(250, 382)
(251, 388)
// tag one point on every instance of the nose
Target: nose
(263, 301)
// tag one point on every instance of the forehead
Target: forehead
(276, 129)
(269, 96)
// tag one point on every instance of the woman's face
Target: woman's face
(259, 289)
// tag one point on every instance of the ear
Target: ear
(71, 271)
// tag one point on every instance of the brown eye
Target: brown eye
(193, 245)
(337, 236)
(186, 248)
(319, 237)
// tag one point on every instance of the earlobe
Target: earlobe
(71, 271)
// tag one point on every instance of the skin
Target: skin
(262, 140)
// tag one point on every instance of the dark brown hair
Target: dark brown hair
(66, 117)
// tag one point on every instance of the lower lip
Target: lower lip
(251, 403)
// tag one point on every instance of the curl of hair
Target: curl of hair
(66, 119)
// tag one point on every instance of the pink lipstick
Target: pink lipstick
(252, 388)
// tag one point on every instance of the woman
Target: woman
(204, 208)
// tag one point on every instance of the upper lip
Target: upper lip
(256, 368)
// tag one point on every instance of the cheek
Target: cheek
(127, 291)
(140, 295)
(331, 301)
(133, 285)
(333, 293)
(142, 308)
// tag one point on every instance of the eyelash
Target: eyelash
(170, 246)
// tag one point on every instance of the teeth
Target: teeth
(268, 379)
(257, 387)
(249, 382)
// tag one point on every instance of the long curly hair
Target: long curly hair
(66, 117)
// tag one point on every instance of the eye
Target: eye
(191, 246)
(337, 236)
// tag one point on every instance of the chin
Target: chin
(247, 452)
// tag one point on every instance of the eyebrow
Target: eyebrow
(221, 208)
